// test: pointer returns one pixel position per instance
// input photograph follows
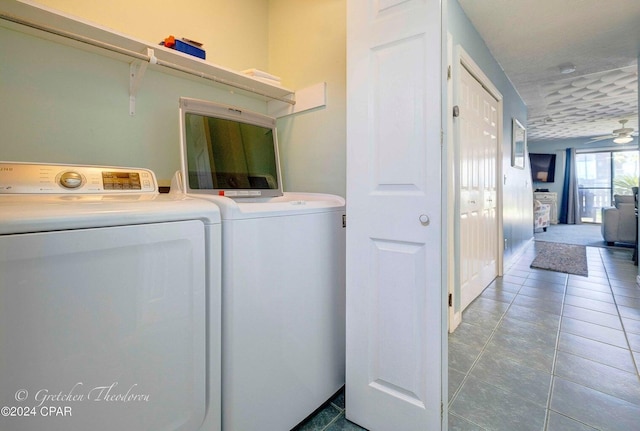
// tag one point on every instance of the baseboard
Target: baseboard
(517, 254)
(456, 321)
(638, 280)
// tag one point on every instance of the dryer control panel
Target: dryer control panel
(40, 178)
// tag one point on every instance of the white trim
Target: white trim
(463, 59)
(450, 172)
(602, 149)
(518, 254)
(312, 97)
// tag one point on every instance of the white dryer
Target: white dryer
(109, 302)
(283, 270)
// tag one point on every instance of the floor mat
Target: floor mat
(571, 259)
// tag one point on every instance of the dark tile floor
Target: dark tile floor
(329, 417)
(541, 350)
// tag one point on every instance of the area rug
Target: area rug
(588, 234)
(578, 234)
(571, 259)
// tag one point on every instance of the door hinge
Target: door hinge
(344, 220)
(448, 73)
(441, 411)
(450, 300)
(456, 111)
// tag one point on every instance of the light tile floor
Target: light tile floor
(542, 350)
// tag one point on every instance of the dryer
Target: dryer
(109, 302)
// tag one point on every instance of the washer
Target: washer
(109, 302)
(283, 270)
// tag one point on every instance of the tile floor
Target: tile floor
(329, 418)
(541, 350)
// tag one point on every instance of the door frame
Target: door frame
(458, 58)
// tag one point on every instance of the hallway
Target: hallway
(541, 350)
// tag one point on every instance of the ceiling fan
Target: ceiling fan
(622, 135)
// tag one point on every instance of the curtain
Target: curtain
(570, 209)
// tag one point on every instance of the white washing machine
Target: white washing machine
(283, 270)
(109, 302)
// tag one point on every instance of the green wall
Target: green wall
(62, 104)
(65, 105)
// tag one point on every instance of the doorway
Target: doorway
(478, 134)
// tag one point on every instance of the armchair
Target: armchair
(541, 215)
(619, 221)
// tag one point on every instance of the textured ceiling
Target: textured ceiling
(531, 39)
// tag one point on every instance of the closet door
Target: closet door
(394, 231)
(478, 187)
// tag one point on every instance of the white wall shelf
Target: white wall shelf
(35, 19)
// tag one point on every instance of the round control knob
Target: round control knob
(70, 180)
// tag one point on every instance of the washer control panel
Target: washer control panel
(39, 178)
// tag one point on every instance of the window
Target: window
(600, 176)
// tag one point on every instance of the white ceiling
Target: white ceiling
(531, 39)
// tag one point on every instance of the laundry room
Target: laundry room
(97, 121)
(64, 102)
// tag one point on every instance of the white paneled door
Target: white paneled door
(394, 231)
(478, 187)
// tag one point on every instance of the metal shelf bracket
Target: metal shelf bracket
(137, 70)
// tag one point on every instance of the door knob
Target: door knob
(424, 219)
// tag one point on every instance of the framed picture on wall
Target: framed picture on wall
(518, 144)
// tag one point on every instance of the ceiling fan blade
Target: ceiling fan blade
(601, 138)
